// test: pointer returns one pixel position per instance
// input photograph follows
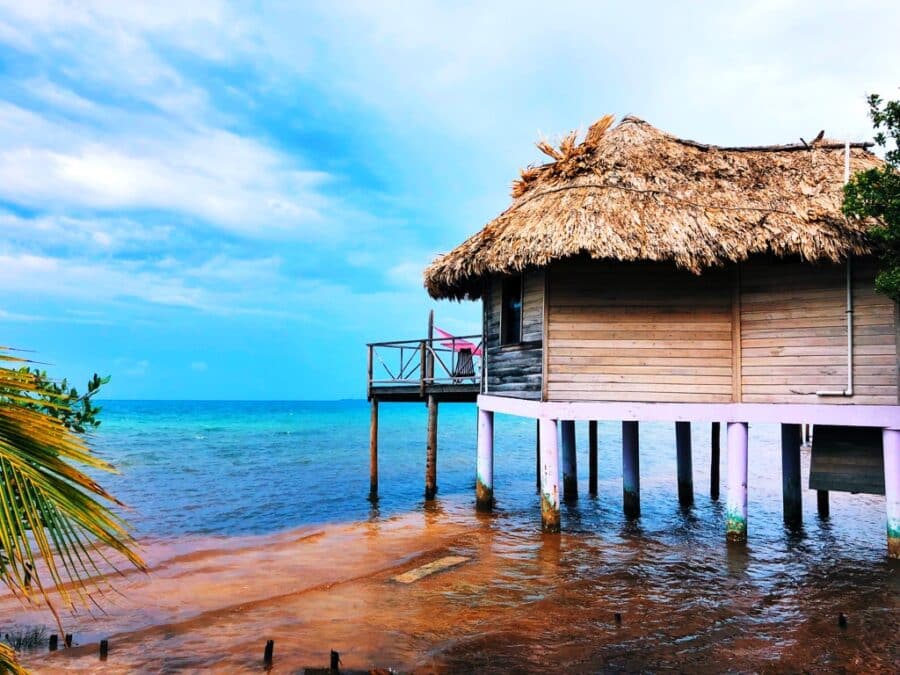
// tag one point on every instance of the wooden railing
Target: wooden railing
(425, 362)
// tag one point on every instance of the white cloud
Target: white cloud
(131, 367)
(230, 181)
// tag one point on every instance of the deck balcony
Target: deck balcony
(449, 369)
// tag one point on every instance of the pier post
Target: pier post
(791, 436)
(537, 454)
(484, 468)
(373, 450)
(685, 467)
(891, 448)
(569, 460)
(736, 506)
(431, 449)
(714, 460)
(592, 458)
(549, 476)
(822, 504)
(631, 478)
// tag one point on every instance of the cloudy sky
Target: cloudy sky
(214, 200)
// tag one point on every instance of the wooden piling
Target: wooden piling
(537, 454)
(684, 463)
(569, 461)
(822, 503)
(549, 476)
(891, 446)
(631, 470)
(790, 474)
(104, 649)
(54, 642)
(335, 663)
(714, 460)
(269, 652)
(736, 506)
(68, 640)
(484, 467)
(431, 449)
(592, 458)
(373, 450)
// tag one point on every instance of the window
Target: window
(511, 317)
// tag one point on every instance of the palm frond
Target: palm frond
(56, 523)
(8, 662)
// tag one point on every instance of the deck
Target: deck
(449, 370)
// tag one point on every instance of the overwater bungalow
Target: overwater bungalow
(642, 277)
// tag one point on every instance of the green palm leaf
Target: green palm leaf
(57, 527)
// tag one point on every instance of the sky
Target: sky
(213, 200)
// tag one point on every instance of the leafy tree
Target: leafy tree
(49, 508)
(875, 193)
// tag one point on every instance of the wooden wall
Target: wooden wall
(638, 332)
(793, 330)
(516, 370)
(648, 332)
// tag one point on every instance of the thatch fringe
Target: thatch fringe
(635, 193)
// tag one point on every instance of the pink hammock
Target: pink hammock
(456, 344)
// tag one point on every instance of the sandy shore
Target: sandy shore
(522, 602)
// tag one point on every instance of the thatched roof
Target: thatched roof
(633, 192)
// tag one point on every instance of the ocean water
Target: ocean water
(257, 522)
(255, 467)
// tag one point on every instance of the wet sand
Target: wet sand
(525, 602)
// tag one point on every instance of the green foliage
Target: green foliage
(875, 194)
(51, 509)
(64, 403)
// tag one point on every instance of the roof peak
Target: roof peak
(819, 142)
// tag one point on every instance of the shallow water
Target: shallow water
(257, 526)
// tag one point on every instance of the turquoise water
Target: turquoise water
(253, 467)
(690, 603)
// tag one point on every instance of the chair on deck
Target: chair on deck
(465, 365)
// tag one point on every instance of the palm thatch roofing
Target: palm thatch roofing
(633, 192)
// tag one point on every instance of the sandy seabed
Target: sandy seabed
(524, 602)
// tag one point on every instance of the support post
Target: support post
(431, 449)
(549, 476)
(569, 461)
(631, 470)
(484, 469)
(736, 507)
(791, 436)
(685, 465)
(373, 450)
(429, 356)
(891, 445)
(537, 454)
(822, 504)
(714, 460)
(592, 458)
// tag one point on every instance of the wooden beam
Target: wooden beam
(431, 450)
(373, 450)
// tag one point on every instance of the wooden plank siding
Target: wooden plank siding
(794, 334)
(638, 332)
(516, 370)
(773, 333)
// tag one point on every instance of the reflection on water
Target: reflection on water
(526, 601)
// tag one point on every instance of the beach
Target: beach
(263, 531)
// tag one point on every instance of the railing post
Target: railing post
(369, 375)
(429, 358)
(422, 368)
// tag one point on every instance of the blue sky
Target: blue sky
(215, 200)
